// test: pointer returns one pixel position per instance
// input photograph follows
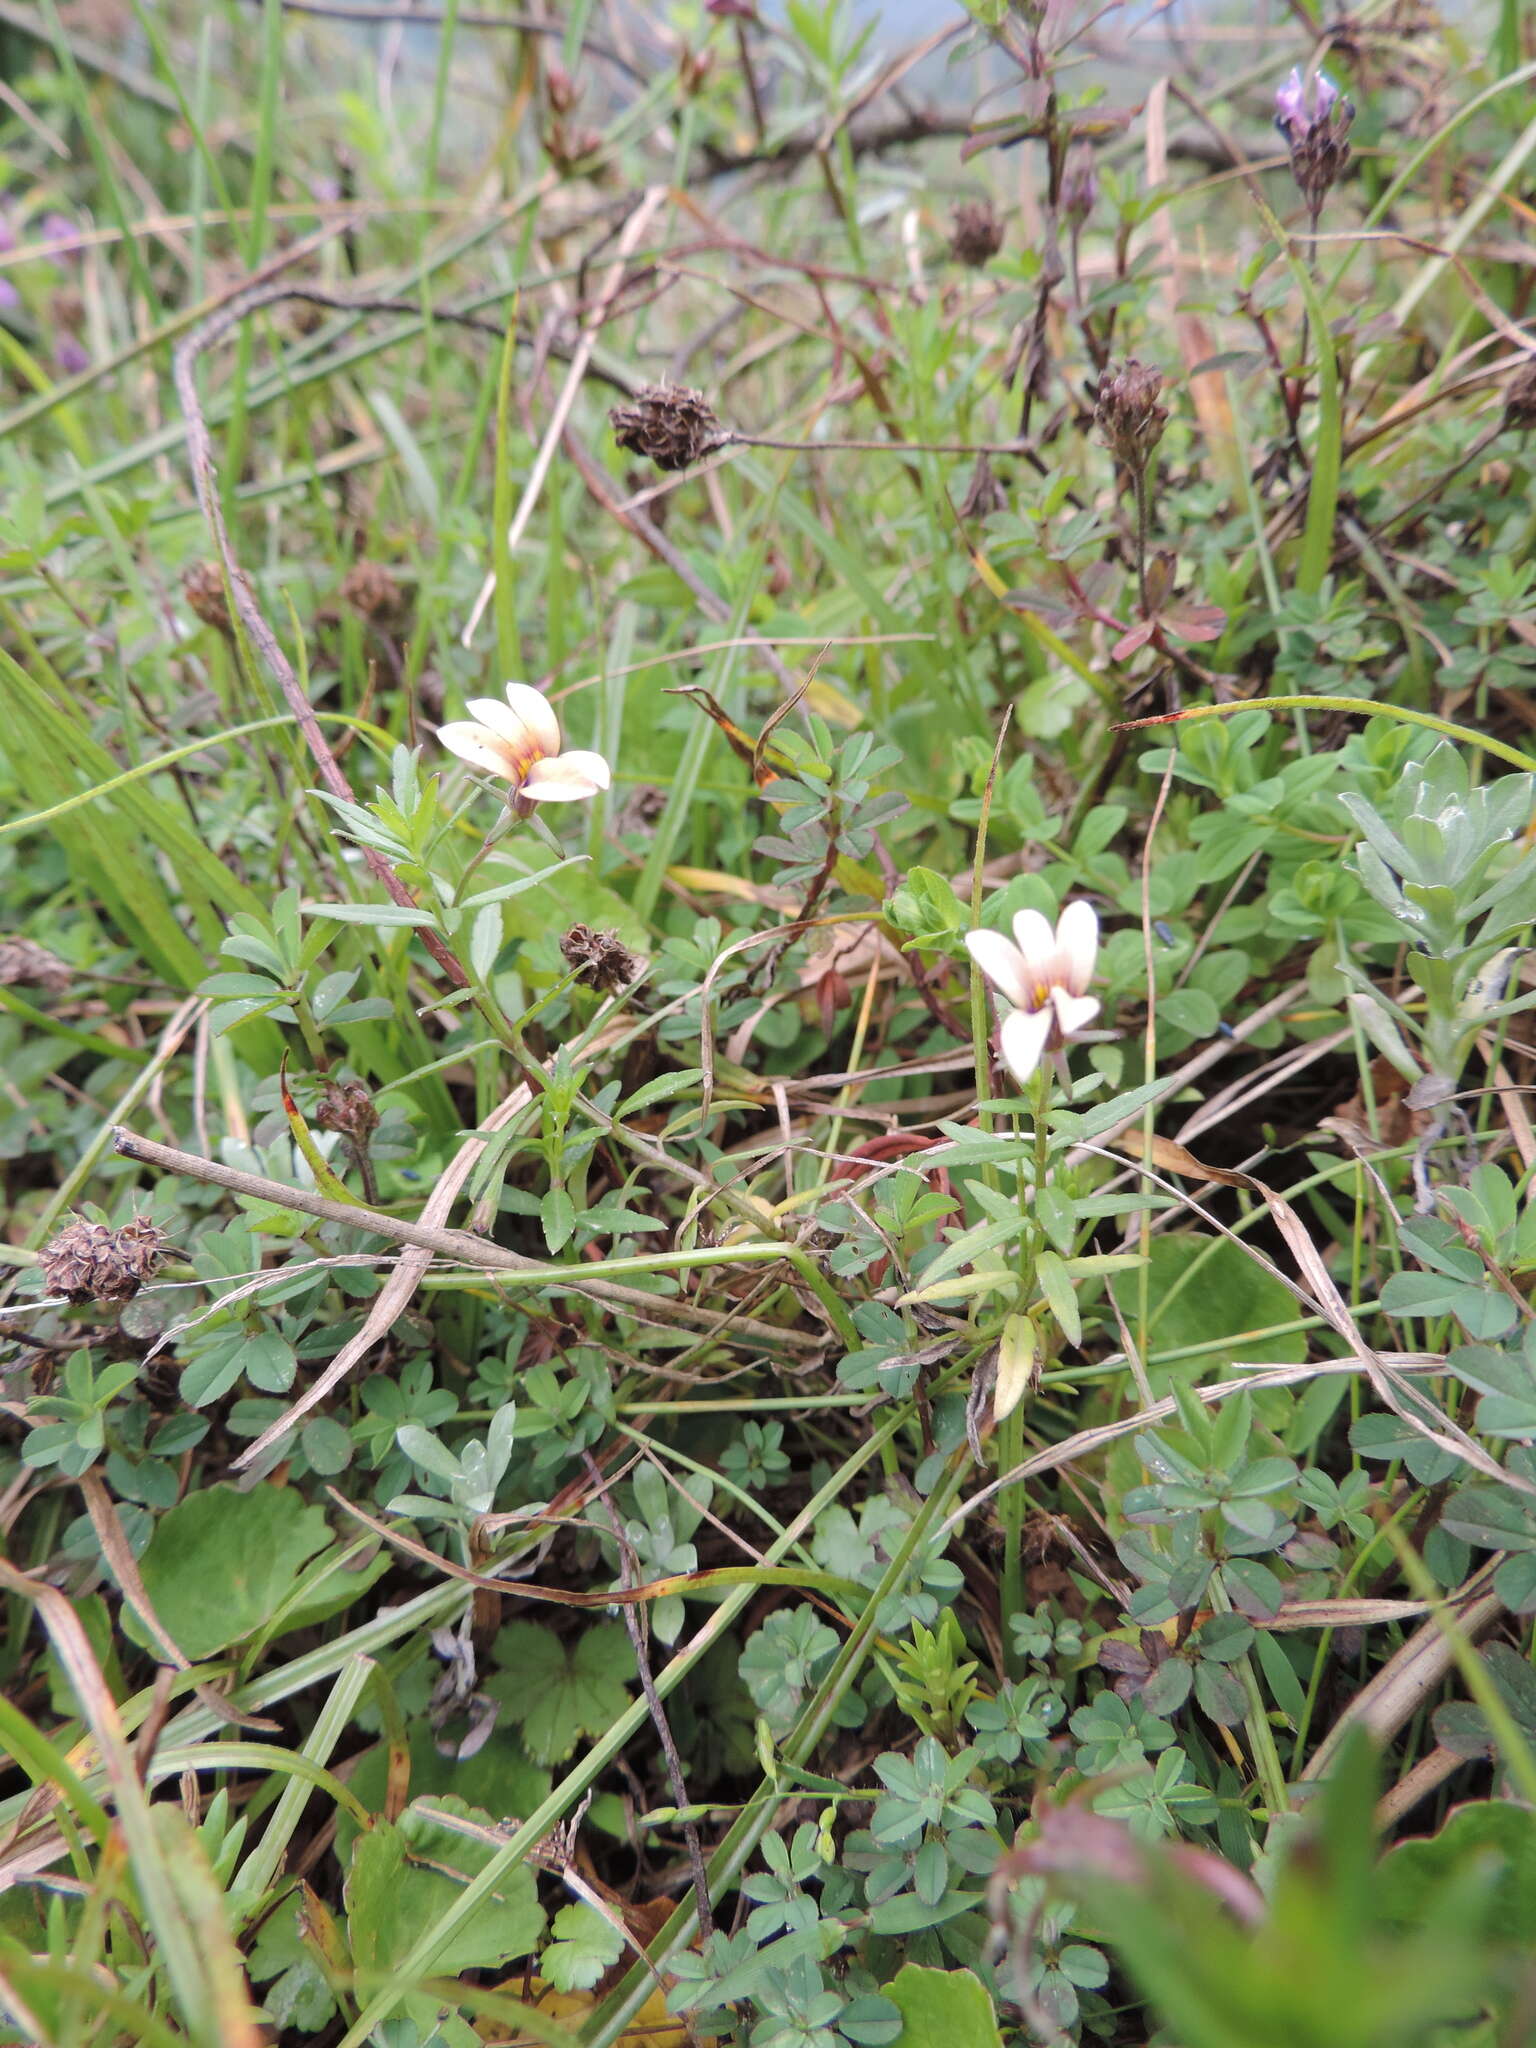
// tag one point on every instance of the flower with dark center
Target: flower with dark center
(670, 426)
(1314, 117)
(975, 233)
(520, 741)
(599, 960)
(93, 1262)
(1127, 414)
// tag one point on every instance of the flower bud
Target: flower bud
(975, 234)
(1079, 185)
(1127, 413)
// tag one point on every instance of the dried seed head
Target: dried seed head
(600, 960)
(92, 1262)
(670, 426)
(1520, 397)
(1127, 413)
(975, 233)
(373, 593)
(25, 961)
(203, 587)
(346, 1106)
(984, 493)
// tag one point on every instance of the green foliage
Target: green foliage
(576, 1179)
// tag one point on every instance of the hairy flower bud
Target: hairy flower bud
(1079, 184)
(203, 588)
(1314, 117)
(1127, 413)
(1520, 397)
(373, 593)
(975, 233)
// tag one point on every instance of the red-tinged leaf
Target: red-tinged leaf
(1198, 622)
(1137, 637)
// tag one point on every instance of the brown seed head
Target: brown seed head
(92, 1262)
(670, 426)
(26, 961)
(984, 493)
(1127, 413)
(600, 959)
(1520, 397)
(373, 593)
(975, 233)
(203, 587)
(347, 1106)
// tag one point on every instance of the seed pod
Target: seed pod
(93, 1262)
(600, 960)
(670, 426)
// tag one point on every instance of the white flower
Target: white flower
(520, 741)
(1045, 975)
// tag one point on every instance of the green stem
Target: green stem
(1364, 707)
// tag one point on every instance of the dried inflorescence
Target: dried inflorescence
(600, 960)
(984, 494)
(670, 426)
(1520, 397)
(93, 1262)
(346, 1106)
(1314, 117)
(1127, 414)
(24, 960)
(975, 233)
(203, 588)
(374, 594)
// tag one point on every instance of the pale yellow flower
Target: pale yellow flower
(1044, 974)
(520, 741)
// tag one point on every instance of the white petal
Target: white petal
(1077, 945)
(1036, 941)
(537, 713)
(482, 749)
(1023, 1039)
(514, 733)
(580, 762)
(1073, 1013)
(1002, 964)
(567, 779)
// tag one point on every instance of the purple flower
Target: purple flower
(7, 233)
(56, 227)
(10, 298)
(1302, 102)
(71, 357)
